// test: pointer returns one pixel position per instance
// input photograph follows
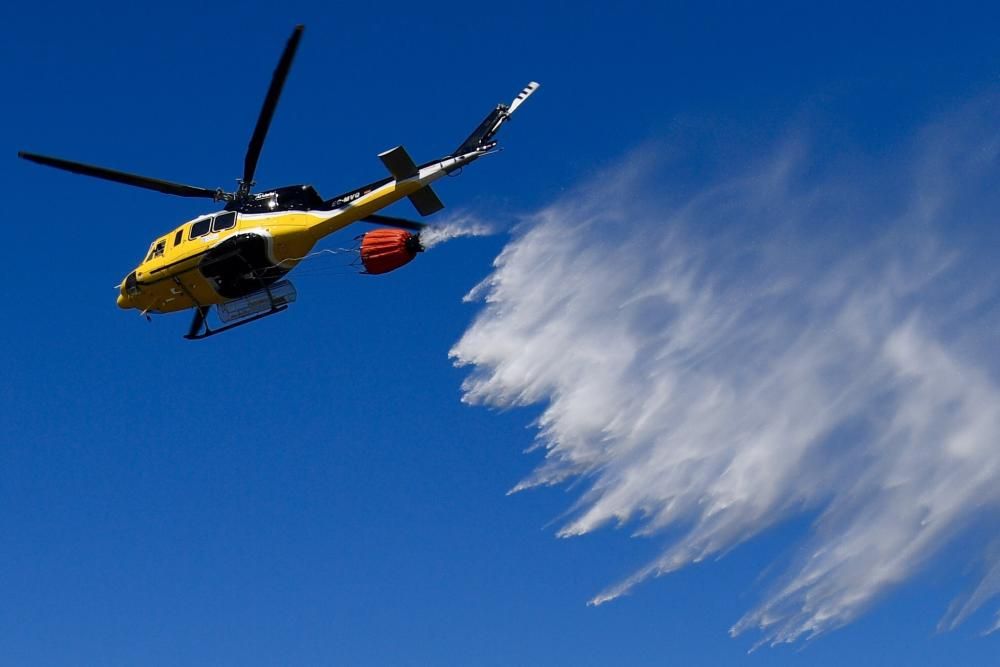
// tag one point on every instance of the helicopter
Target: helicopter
(236, 259)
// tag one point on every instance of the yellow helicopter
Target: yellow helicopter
(235, 259)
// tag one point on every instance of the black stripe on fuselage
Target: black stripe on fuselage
(173, 264)
(224, 250)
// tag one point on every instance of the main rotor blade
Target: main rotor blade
(270, 104)
(167, 187)
(390, 221)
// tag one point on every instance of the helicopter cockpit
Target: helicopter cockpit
(156, 249)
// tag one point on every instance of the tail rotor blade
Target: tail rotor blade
(522, 96)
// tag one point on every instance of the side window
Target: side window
(224, 221)
(200, 228)
(178, 236)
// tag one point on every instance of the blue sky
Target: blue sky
(310, 489)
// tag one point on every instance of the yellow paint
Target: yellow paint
(171, 281)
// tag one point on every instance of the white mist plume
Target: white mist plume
(768, 346)
(453, 227)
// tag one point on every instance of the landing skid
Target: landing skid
(200, 329)
(267, 301)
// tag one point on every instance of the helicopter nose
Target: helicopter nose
(128, 286)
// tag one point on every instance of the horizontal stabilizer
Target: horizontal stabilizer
(399, 163)
(402, 167)
(425, 201)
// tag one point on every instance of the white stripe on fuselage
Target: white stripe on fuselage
(425, 176)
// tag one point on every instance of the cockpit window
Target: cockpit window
(224, 221)
(157, 250)
(200, 228)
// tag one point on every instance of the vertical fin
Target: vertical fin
(481, 138)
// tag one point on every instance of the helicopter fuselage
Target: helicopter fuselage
(225, 255)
